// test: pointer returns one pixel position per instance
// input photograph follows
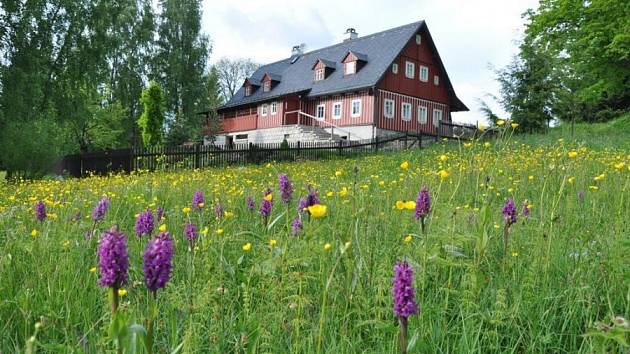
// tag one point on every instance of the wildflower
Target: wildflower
(327, 247)
(113, 260)
(343, 192)
(408, 238)
(159, 213)
(500, 122)
(157, 260)
(162, 227)
(268, 197)
(526, 208)
(600, 177)
(122, 292)
(205, 231)
(467, 145)
(404, 165)
(423, 203)
(410, 205)
(571, 180)
(93, 270)
(296, 226)
(403, 291)
(482, 127)
(443, 158)
(509, 212)
(400, 204)
(619, 166)
(34, 232)
(514, 125)
(186, 210)
(338, 173)
(190, 232)
(144, 223)
(487, 144)
(198, 200)
(101, 209)
(228, 214)
(286, 188)
(272, 243)
(309, 200)
(317, 210)
(265, 207)
(514, 254)
(443, 174)
(250, 203)
(219, 231)
(218, 210)
(247, 247)
(572, 154)
(40, 211)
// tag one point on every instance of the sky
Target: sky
(473, 38)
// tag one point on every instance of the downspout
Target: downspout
(374, 112)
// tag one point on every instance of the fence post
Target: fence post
(197, 156)
(298, 148)
(420, 140)
(376, 144)
(439, 129)
(406, 135)
(340, 144)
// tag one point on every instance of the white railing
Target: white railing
(320, 120)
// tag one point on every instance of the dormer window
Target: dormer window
(266, 86)
(250, 86)
(319, 74)
(353, 62)
(248, 90)
(350, 68)
(269, 80)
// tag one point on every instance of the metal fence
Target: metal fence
(198, 156)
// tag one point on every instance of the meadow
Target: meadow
(260, 284)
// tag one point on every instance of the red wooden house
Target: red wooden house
(388, 82)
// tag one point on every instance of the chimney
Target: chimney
(298, 49)
(351, 34)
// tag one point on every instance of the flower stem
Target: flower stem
(403, 334)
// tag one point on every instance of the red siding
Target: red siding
(419, 54)
(367, 103)
(397, 123)
(270, 120)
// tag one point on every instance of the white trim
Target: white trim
(274, 108)
(437, 116)
(424, 73)
(422, 114)
(264, 110)
(352, 114)
(323, 106)
(350, 68)
(404, 105)
(395, 68)
(340, 104)
(410, 73)
(267, 86)
(320, 74)
(387, 114)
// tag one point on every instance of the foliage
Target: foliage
(247, 287)
(232, 73)
(151, 121)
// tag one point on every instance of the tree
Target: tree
(152, 119)
(232, 73)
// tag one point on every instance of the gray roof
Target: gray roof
(378, 50)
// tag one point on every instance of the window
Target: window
(405, 111)
(418, 39)
(422, 114)
(267, 86)
(264, 109)
(356, 108)
(436, 80)
(437, 116)
(388, 108)
(240, 137)
(409, 69)
(395, 68)
(319, 111)
(350, 67)
(274, 107)
(424, 73)
(319, 74)
(337, 110)
(248, 90)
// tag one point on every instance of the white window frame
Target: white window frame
(267, 86)
(436, 80)
(323, 107)
(424, 73)
(340, 105)
(418, 39)
(389, 113)
(274, 107)
(422, 114)
(319, 74)
(405, 107)
(395, 68)
(410, 69)
(354, 114)
(248, 90)
(437, 117)
(264, 109)
(350, 68)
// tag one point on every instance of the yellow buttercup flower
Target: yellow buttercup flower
(337, 173)
(228, 214)
(514, 254)
(593, 188)
(443, 174)
(404, 165)
(122, 292)
(327, 247)
(482, 127)
(487, 144)
(408, 238)
(186, 210)
(572, 154)
(93, 270)
(330, 194)
(443, 158)
(500, 122)
(619, 166)
(600, 177)
(219, 231)
(410, 205)
(162, 227)
(317, 210)
(514, 125)
(343, 192)
(272, 242)
(205, 231)
(34, 232)
(400, 204)
(247, 247)
(268, 197)
(467, 145)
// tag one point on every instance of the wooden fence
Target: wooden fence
(198, 156)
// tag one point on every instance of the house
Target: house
(364, 87)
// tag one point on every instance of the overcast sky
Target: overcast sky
(470, 35)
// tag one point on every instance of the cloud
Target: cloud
(469, 35)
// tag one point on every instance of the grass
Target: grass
(565, 270)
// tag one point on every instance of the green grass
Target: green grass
(566, 267)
